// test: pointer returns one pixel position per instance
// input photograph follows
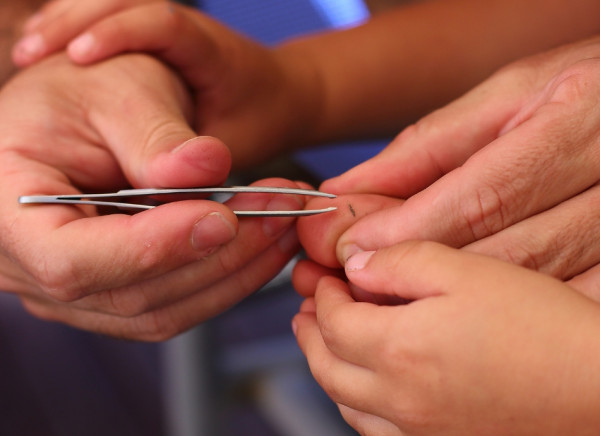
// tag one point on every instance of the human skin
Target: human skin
(509, 170)
(415, 338)
(483, 346)
(148, 276)
(250, 99)
(12, 17)
(368, 81)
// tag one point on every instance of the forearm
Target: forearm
(12, 16)
(376, 78)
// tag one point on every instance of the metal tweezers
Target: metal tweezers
(108, 199)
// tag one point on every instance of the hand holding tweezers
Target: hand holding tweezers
(113, 199)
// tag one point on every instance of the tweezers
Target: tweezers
(111, 199)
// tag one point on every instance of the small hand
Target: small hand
(508, 170)
(483, 346)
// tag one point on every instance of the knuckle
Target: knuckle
(127, 304)
(59, 280)
(409, 133)
(484, 212)
(520, 254)
(577, 81)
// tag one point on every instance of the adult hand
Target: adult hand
(484, 347)
(256, 99)
(510, 169)
(123, 123)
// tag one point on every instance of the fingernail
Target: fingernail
(82, 45)
(294, 326)
(31, 46)
(358, 261)
(183, 145)
(274, 225)
(350, 250)
(210, 232)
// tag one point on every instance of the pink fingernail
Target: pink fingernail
(82, 45)
(358, 261)
(350, 250)
(31, 46)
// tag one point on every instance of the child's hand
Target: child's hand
(59, 21)
(256, 100)
(485, 347)
(319, 233)
(509, 170)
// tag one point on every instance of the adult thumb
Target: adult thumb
(175, 157)
(180, 161)
(146, 124)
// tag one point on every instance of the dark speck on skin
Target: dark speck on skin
(351, 210)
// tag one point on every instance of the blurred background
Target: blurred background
(240, 374)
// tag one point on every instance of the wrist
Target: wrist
(305, 100)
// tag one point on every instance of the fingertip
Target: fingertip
(82, 48)
(346, 250)
(331, 186)
(328, 283)
(200, 161)
(352, 181)
(205, 153)
(308, 306)
(300, 322)
(29, 49)
(306, 275)
(358, 261)
(318, 233)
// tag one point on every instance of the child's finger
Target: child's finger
(179, 35)
(48, 12)
(306, 275)
(55, 25)
(414, 269)
(344, 382)
(145, 28)
(347, 327)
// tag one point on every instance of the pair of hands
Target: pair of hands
(510, 170)
(231, 78)
(130, 121)
(511, 164)
(148, 276)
